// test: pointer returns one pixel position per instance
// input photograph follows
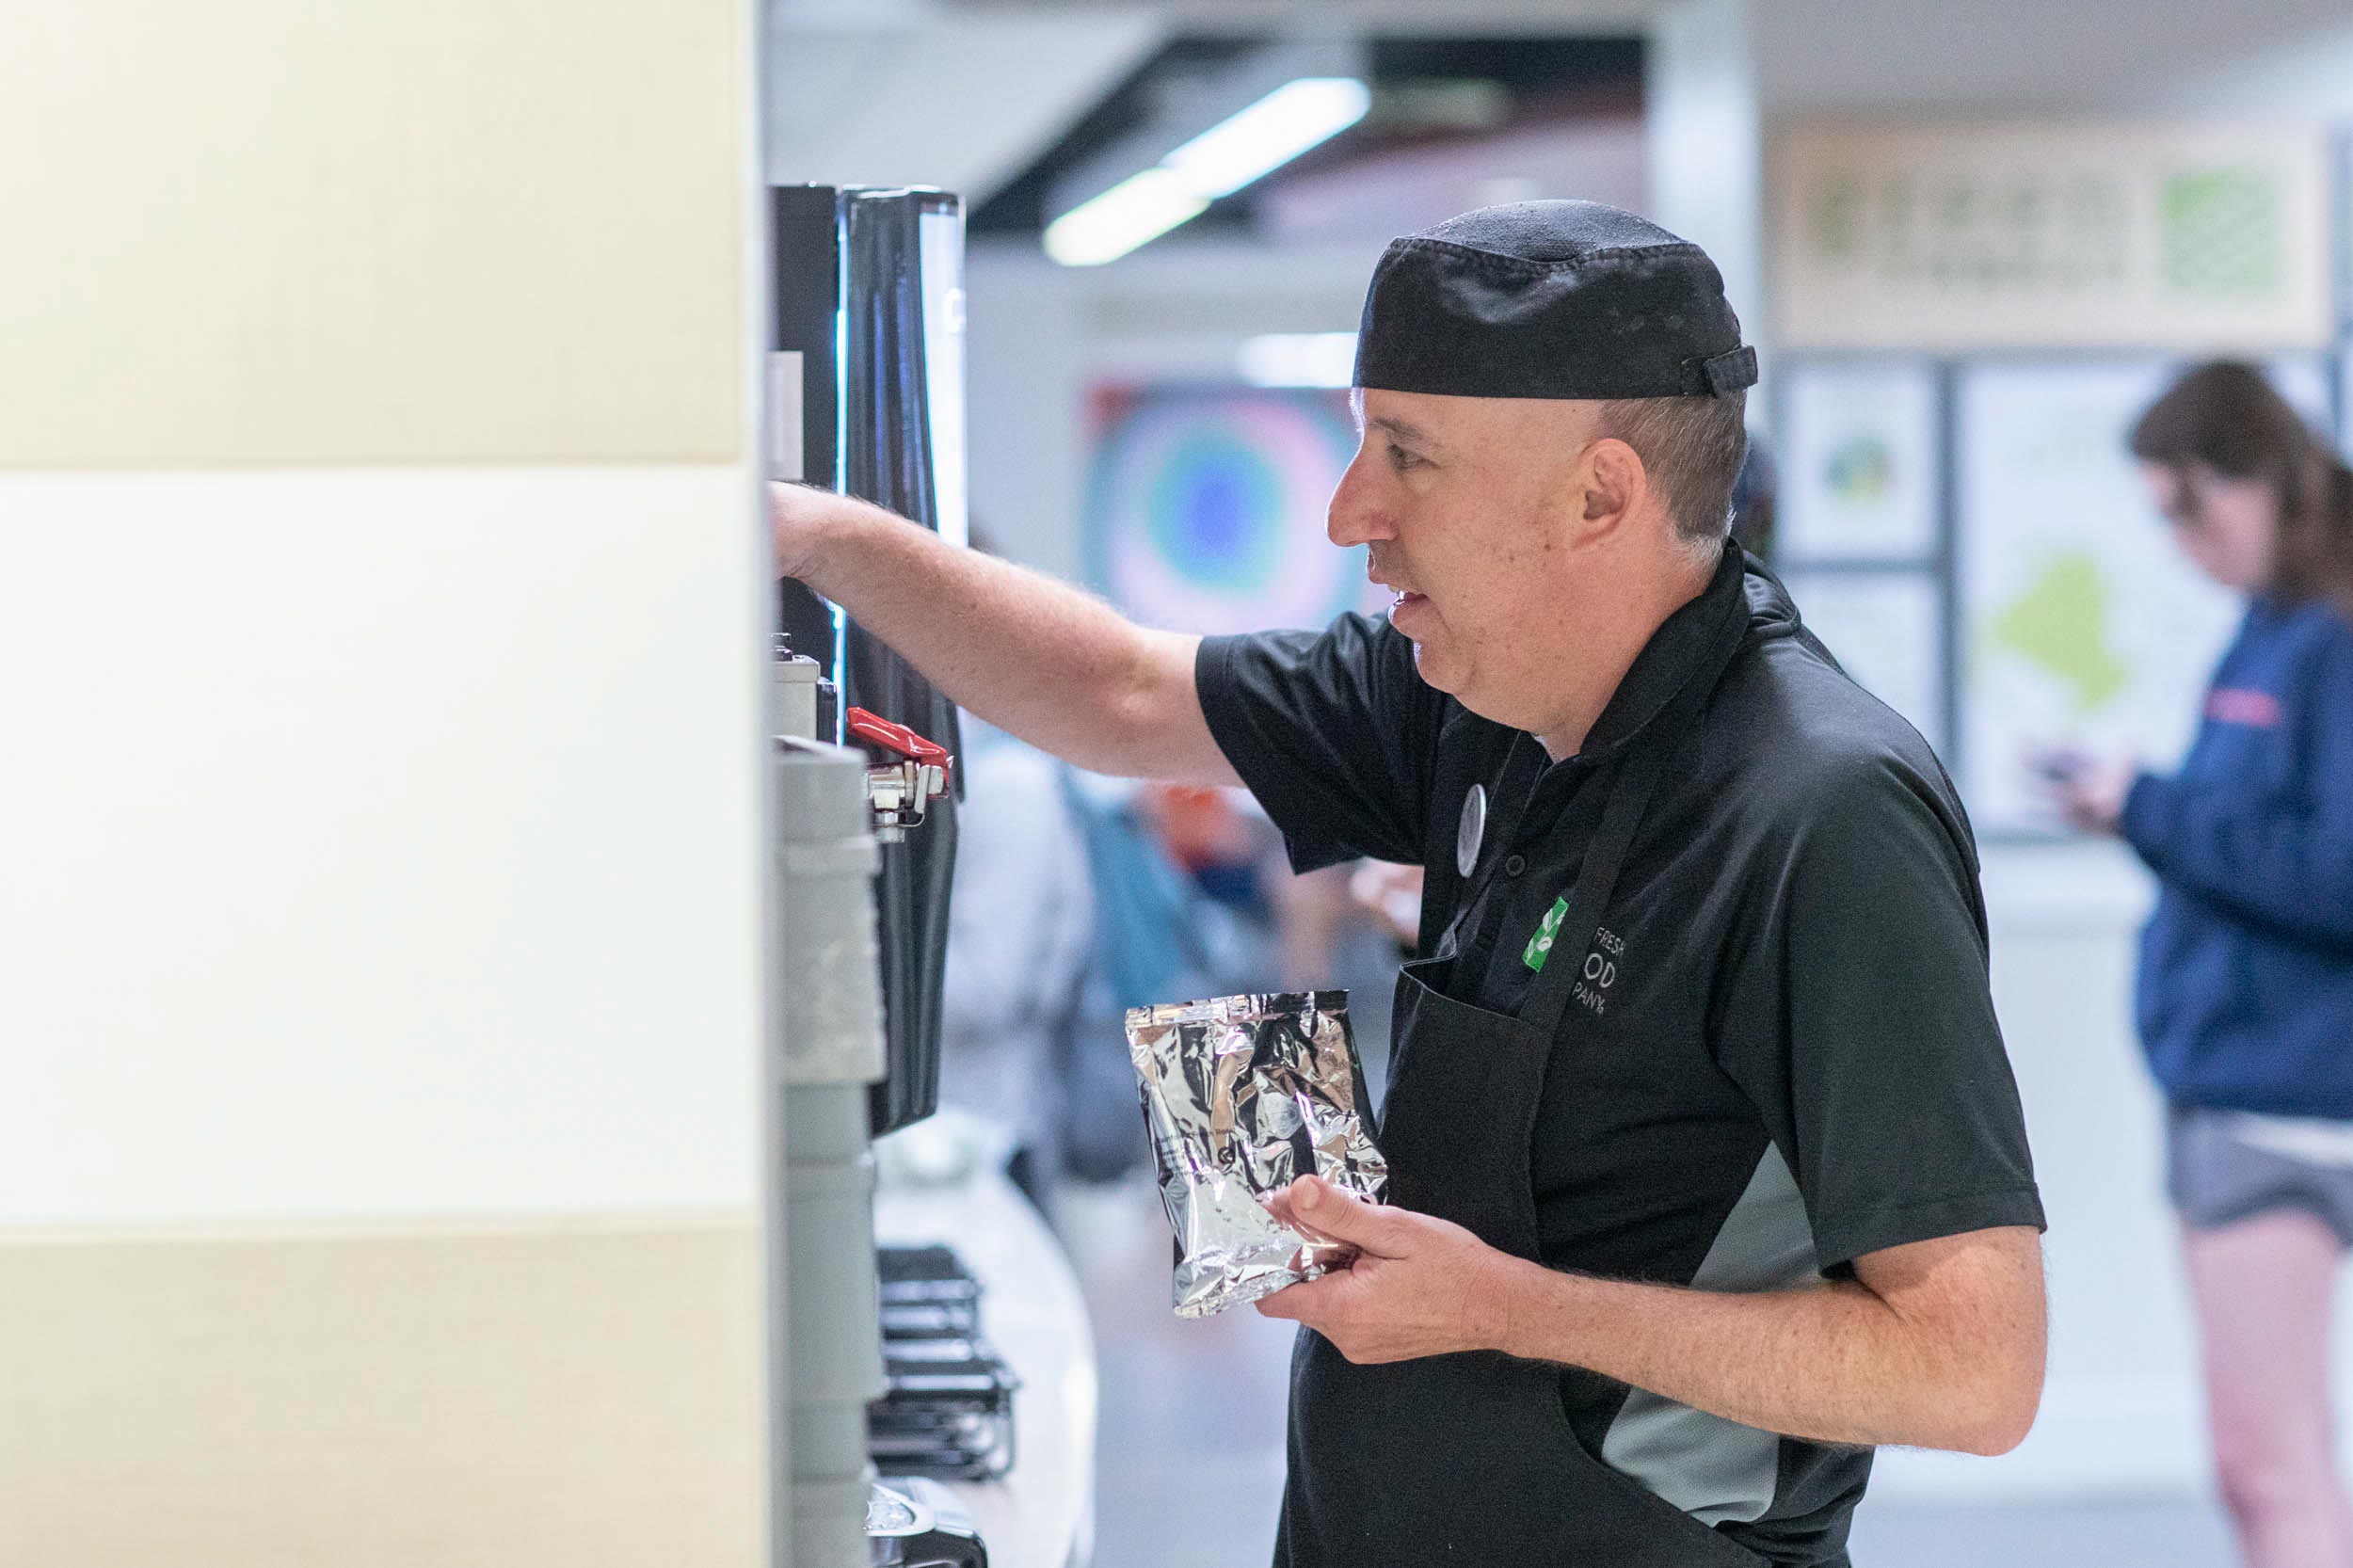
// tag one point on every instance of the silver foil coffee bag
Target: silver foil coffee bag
(1241, 1095)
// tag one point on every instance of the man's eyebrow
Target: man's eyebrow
(1405, 430)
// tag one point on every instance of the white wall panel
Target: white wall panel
(378, 842)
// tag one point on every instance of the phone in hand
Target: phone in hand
(2059, 764)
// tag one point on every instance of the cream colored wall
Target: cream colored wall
(267, 233)
(474, 1396)
(381, 591)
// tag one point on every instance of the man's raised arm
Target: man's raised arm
(1035, 657)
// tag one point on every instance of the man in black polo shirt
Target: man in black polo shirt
(1708, 1166)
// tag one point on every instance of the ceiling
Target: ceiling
(973, 94)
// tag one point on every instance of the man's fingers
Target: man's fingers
(1343, 1216)
(1286, 1214)
(1305, 1303)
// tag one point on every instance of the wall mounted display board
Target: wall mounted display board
(2342, 232)
(2345, 397)
(2081, 622)
(2112, 235)
(1858, 470)
(1206, 507)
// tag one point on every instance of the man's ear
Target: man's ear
(1610, 487)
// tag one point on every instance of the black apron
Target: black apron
(1469, 1457)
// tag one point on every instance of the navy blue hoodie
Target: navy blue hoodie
(2245, 994)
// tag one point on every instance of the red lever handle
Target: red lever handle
(876, 730)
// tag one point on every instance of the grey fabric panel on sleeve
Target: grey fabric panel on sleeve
(1715, 1469)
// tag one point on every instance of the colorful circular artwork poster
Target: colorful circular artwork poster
(1205, 507)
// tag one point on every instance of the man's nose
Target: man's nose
(1356, 516)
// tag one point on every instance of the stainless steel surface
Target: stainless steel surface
(1241, 1095)
(892, 1519)
(900, 792)
(793, 683)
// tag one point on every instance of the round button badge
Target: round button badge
(1474, 829)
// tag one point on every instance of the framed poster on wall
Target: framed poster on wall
(1860, 461)
(2082, 623)
(2345, 397)
(1206, 506)
(2127, 235)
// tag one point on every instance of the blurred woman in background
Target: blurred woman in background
(2245, 984)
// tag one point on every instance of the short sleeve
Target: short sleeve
(1332, 731)
(1858, 1017)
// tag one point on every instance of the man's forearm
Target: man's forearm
(1035, 657)
(1833, 1362)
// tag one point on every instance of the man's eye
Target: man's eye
(1401, 459)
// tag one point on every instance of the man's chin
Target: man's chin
(1436, 670)
(1440, 672)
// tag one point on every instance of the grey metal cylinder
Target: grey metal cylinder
(828, 1048)
(833, 1343)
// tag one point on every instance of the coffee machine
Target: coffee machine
(869, 356)
(865, 391)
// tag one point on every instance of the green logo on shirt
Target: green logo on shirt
(1540, 945)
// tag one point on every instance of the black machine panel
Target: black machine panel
(869, 292)
(806, 241)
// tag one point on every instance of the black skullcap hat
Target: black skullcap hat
(1550, 299)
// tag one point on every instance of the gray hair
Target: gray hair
(1691, 447)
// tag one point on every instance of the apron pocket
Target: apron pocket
(1690, 1541)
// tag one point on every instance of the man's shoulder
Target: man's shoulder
(1792, 740)
(1362, 652)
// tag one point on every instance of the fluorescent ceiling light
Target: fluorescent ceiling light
(1271, 133)
(1105, 228)
(1299, 360)
(1220, 161)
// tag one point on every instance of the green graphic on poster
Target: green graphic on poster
(2082, 624)
(2060, 626)
(2222, 233)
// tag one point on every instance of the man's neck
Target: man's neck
(1598, 661)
